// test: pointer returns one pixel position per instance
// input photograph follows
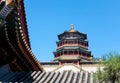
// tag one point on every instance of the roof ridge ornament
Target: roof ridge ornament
(72, 26)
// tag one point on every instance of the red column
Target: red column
(63, 52)
(59, 62)
(78, 63)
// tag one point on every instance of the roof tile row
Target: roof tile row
(47, 77)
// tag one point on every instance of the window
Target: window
(57, 45)
(65, 52)
(70, 52)
(76, 52)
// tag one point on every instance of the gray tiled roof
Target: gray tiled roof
(47, 77)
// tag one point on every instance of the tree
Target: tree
(111, 71)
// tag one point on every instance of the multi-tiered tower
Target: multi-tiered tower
(72, 47)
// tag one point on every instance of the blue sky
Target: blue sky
(99, 19)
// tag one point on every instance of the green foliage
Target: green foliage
(111, 72)
(99, 76)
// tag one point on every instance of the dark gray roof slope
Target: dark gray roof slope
(47, 77)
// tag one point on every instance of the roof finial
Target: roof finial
(72, 26)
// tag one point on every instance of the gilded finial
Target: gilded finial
(72, 26)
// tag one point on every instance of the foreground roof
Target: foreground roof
(47, 77)
(15, 48)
